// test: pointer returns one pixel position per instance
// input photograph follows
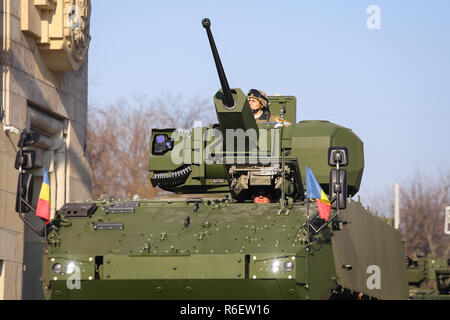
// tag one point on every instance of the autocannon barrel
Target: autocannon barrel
(227, 96)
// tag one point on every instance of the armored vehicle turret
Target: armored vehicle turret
(238, 223)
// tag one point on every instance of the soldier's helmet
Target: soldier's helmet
(260, 96)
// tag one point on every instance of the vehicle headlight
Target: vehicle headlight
(70, 268)
(57, 268)
(288, 266)
(275, 266)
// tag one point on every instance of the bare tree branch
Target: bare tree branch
(423, 199)
(118, 139)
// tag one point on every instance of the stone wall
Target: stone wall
(44, 91)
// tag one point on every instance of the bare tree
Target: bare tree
(118, 140)
(176, 112)
(423, 199)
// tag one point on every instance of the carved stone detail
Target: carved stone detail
(61, 29)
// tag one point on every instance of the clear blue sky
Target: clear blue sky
(391, 86)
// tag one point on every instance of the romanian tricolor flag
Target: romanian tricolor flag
(314, 191)
(43, 205)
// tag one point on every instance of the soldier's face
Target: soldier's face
(254, 104)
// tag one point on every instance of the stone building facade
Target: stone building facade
(44, 88)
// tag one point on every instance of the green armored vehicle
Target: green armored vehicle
(237, 223)
(421, 269)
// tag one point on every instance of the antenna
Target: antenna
(396, 205)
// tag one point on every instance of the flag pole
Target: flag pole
(307, 223)
(308, 244)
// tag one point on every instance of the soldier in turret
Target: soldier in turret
(259, 103)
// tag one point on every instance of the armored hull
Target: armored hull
(224, 250)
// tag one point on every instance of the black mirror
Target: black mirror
(27, 161)
(338, 155)
(24, 191)
(338, 188)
